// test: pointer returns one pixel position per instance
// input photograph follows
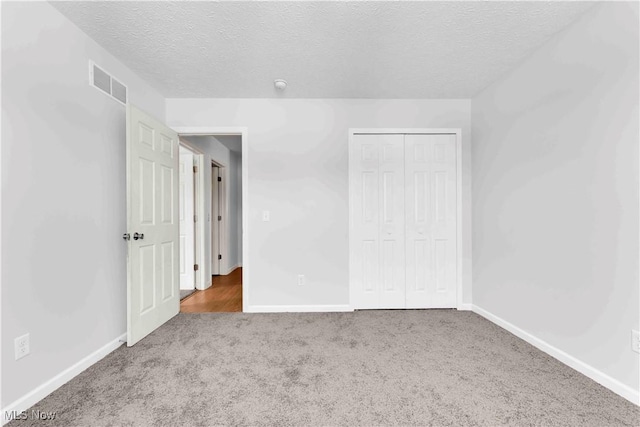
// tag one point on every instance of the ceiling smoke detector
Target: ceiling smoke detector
(280, 84)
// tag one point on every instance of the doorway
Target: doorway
(222, 229)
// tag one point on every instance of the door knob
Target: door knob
(137, 236)
(126, 236)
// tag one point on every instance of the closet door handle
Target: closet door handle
(137, 236)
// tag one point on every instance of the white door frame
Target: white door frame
(188, 217)
(459, 228)
(223, 210)
(202, 282)
(243, 132)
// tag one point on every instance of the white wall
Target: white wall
(63, 195)
(298, 170)
(555, 193)
(214, 150)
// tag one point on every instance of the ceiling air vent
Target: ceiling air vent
(102, 80)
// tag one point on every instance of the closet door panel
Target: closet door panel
(364, 217)
(403, 217)
(430, 206)
(418, 219)
(391, 190)
(443, 230)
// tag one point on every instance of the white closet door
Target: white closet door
(430, 173)
(391, 191)
(377, 221)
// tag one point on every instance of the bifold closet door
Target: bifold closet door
(430, 206)
(377, 221)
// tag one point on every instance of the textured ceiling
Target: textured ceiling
(323, 49)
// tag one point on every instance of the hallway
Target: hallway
(224, 296)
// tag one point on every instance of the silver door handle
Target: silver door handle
(126, 236)
(137, 236)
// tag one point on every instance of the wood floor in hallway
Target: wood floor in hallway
(225, 295)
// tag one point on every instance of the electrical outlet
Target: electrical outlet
(265, 215)
(300, 279)
(22, 346)
(635, 341)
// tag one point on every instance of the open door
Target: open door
(217, 219)
(152, 225)
(187, 220)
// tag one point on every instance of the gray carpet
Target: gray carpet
(415, 367)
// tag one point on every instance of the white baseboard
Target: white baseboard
(230, 270)
(297, 308)
(207, 287)
(465, 307)
(598, 376)
(48, 387)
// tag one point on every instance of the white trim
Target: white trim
(404, 131)
(598, 376)
(232, 268)
(459, 226)
(459, 223)
(244, 134)
(224, 223)
(201, 213)
(464, 307)
(297, 308)
(201, 224)
(218, 230)
(48, 387)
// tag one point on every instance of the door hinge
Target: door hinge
(219, 179)
(195, 169)
(195, 267)
(219, 256)
(195, 218)
(219, 217)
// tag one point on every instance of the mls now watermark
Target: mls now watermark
(34, 414)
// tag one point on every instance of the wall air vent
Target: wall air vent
(103, 81)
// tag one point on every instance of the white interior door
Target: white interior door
(152, 222)
(215, 220)
(377, 221)
(430, 170)
(187, 220)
